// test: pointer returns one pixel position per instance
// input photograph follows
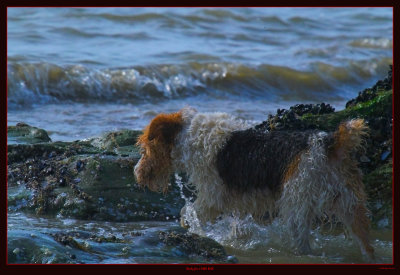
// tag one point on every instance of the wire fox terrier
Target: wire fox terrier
(295, 176)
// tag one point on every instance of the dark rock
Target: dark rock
(378, 184)
(371, 93)
(79, 165)
(86, 185)
(193, 244)
(291, 119)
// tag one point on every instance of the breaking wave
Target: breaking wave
(40, 83)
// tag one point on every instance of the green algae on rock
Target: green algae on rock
(24, 133)
(90, 179)
(115, 141)
(370, 93)
(378, 185)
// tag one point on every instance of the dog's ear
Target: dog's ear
(165, 131)
(165, 127)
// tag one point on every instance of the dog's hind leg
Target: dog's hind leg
(360, 230)
(357, 223)
(349, 206)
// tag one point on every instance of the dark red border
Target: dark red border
(216, 267)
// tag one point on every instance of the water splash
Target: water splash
(188, 213)
(229, 229)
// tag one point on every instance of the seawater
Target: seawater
(78, 72)
(263, 246)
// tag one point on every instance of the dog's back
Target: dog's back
(254, 159)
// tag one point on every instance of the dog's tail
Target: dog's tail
(350, 136)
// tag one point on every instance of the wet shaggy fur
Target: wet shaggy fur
(253, 159)
(290, 175)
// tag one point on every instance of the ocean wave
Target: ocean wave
(39, 83)
(374, 43)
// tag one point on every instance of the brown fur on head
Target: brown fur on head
(156, 142)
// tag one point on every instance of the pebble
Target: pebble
(385, 155)
(47, 252)
(62, 182)
(79, 165)
(71, 256)
(86, 244)
(16, 251)
(364, 158)
(232, 259)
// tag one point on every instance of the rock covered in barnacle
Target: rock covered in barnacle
(371, 93)
(190, 244)
(291, 119)
(89, 179)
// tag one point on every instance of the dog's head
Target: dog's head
(156, 142)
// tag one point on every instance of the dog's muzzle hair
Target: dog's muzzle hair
(296, 176)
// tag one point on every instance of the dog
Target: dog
(296, 176)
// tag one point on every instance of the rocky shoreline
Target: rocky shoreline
(93, 179)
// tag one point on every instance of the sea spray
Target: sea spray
(229, 229)
(189, 215)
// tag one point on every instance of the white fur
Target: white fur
(202, 137)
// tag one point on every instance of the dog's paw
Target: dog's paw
(184, 224)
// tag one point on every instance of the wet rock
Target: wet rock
(69, 239)
(45, 151)
(23, 249)
(83, 181)
(121, 142)
(378, 185)
(24, 133)
(194, 245)
(291, 119)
